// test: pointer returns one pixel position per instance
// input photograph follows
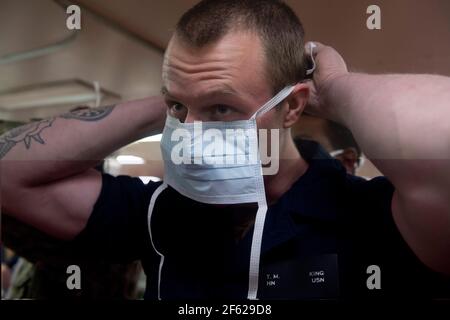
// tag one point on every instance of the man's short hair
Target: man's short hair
(276, 24)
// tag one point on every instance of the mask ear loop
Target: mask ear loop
(313, 68)
(287, 90)
(255, 251)
(283, 94)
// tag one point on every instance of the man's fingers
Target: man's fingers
(327, 60)
(313, 102)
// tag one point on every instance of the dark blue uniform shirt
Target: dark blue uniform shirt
(319, 240)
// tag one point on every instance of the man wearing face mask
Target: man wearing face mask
(212, 230)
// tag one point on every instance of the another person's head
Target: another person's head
(228, 57)
(336, 139)
(345, 148)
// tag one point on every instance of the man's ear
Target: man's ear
(296, 103)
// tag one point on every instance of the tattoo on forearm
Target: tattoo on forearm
(32, 131)
(88, 114)
(24, 134)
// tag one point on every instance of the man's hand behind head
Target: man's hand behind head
(329, 66)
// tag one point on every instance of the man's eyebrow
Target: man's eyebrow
(164, 90)
(225, 89)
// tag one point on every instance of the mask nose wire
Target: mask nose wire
(283, 94)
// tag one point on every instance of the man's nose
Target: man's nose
(190, 118)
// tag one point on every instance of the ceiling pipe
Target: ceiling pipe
(110, 22)
(38, 52)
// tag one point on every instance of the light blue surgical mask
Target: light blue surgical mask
(228, 175)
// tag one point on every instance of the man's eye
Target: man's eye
(222, 110)
(177, 107)
(178, 111)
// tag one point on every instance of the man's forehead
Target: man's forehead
(235, 38)
(242, 50)
(234, 66)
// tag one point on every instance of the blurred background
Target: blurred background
(46, 69)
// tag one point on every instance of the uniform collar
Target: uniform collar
(312, 199)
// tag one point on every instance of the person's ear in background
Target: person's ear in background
(344, 146)
(322, 139)
(349, 158)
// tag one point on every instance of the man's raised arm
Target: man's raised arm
(46, 171)
(402, 124)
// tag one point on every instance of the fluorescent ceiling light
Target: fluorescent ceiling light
(147, 179)
(155, 138)
(128, 159)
